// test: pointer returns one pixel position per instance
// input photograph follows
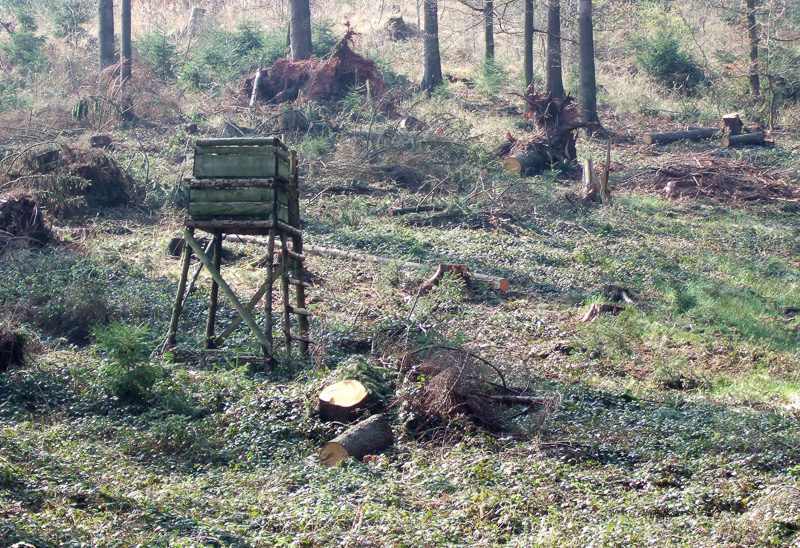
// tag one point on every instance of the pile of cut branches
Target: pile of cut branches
(452, 384)
(721, 179)
(21, 221)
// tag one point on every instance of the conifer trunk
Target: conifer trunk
(528, 37)
(588, 85)
(433, 62)
(554, 83)
(125, 41)
(106, 33)
(488, 29)
(300, 29)
(752, 35)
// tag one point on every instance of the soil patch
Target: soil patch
(720, 179)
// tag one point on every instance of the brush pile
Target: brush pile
(454, 384)
(721, 179)
(21, 222)
(68, 182)
(317, 79)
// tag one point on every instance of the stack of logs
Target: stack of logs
(732, 126)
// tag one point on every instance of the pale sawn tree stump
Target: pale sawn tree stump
(341, 401)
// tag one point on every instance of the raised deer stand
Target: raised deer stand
(248, 187)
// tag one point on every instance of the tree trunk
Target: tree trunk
(752, 35)
(554, 83)
(757, 138)
(106, 33)
(488, 29)
(588, 85)
(672, 136)
(300, 29)
(365, 438)
(433, 61)
(125, 42)
(528, 37)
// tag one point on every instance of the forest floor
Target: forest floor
(673, 423)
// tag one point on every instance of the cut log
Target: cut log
(364, 438)
(341, 402)
(495, 281)
(672, 136)
(537, 157)
(758, 138)
(733, 123)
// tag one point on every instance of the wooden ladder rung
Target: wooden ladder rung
(296, 282)
(299, 311)
(295, 256)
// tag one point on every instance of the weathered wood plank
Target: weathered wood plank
(258, 210)
(238, 195)
(240, 166)
(244, 141)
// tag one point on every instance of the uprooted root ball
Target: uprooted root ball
(21, 222)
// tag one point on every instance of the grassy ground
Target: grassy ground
(673, 423)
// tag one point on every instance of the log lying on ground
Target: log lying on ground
(537, 157)
(498, 283)
(364, 438)
(691, 135)
(758, 138)
(341, 402)
(417, 209)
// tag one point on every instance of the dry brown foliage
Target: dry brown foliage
(722, 179)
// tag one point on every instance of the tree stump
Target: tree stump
(364, 438)
(340, 402)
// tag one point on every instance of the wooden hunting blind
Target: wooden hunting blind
(247, 186)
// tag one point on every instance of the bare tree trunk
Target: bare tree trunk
(528, 37)
(588, 85)
(752, 35)
(433, 62)
(554, 83)
(125, 42)
(488, 29)
(106, 33)
(300, 29)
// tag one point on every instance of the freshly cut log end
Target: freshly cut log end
(364, 438)
(513, 165)
(340, 402)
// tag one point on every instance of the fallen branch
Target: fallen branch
(417, 209)
(598, 309)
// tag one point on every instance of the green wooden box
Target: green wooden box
(240, 158)
(239, 199)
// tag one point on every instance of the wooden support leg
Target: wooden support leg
(178, 305)
(271, 276)
(212, 306)
(302, 319)
(287, 309)
(227, 291)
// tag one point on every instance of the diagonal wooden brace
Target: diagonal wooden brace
(250, 305)
(223, 285)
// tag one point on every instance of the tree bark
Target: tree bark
(554, 83)
(125, 42)
(365, 438)
(528, 37)
(588, 85)
(672, 136)
(488, 29)
(757, 138)
(433, 62)
(752, 35)
(106, 33)
(300, 29)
